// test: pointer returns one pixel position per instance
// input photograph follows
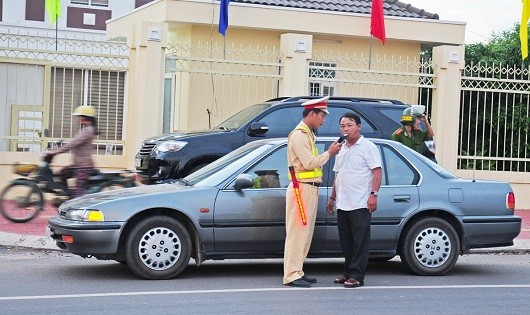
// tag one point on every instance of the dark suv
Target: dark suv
(175, 155)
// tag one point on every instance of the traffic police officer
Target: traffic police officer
(302, 154)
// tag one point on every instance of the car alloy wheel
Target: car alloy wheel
(158, 247)
(430, 247)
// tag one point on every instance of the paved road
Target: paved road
(52, 282)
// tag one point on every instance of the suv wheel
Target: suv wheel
(430, 247)
(158, 248)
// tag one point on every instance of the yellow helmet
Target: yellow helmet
(88, 111)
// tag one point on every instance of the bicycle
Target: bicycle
(23, 198)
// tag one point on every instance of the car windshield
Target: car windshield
(242, 117)
(437, 168)
(220, 169)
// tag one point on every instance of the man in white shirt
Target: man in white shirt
(357, 180)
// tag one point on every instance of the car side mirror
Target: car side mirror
(258, 129)
(243, 181)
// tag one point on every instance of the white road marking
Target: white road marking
(69, 296)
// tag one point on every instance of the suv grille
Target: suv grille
(146, 149)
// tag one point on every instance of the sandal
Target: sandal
(352, 283)
(340, 280)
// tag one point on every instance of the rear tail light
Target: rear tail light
(510, 200)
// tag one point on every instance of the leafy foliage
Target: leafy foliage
(503, 48)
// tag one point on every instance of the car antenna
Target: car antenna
(474, 168)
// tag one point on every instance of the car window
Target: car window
(434, 166)
(393, 113)
(331, 125)
(282, 121)
(216, 172)
(242, 117)
(396, 170)
(272, 171)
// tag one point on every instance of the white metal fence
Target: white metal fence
(392, 77)
(495, 118)
(40, 86)
(204, 76)
(42, 80)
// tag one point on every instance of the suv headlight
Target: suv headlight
(170, 146)
(89, 215)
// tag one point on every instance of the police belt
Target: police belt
(316, 184)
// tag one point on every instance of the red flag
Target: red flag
(377, 25)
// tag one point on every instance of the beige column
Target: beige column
(448, 61)
(145, 89)
(296, 49)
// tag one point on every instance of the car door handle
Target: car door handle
(401, 198)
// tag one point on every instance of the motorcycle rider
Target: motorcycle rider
(81, 146)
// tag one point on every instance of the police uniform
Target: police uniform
(303, 156)
(415, 142)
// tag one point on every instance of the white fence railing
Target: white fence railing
(41, 85)
(495, 118)
(204, 76)
(401, 78)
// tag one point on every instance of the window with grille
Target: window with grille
(319, 74)
(102, 89)
(99, 3)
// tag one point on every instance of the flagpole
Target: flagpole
(370, 53)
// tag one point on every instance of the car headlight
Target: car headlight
(85, 215)
(170, 146)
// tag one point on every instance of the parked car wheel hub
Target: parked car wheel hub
(432, 247)
(159, 248)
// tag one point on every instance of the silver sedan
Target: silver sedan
(235, 208)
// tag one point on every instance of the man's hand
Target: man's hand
(334, 148)
(330, 206)
(372, 203)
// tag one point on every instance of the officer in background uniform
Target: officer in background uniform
(303, 155)
(411, 134)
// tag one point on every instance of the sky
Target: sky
(483, 17)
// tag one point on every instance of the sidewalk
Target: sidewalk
(32, 234)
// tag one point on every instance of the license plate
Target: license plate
(137, 162)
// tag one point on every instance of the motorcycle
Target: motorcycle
(23, 198)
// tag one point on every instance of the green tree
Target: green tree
(503, 48)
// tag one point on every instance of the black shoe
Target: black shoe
(309, 279)
(299, 283)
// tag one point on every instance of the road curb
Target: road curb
(28, 241)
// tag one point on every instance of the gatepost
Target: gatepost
(144, 114)
(296, 50)
(448, 61)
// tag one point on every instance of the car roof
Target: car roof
(349, 99)
(277, 141)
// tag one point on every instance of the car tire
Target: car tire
(158, 248)
(430, 247)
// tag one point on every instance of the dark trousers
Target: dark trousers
(354, 235)
(81, 176)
